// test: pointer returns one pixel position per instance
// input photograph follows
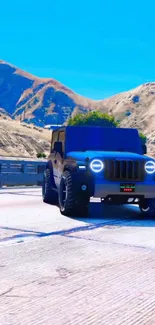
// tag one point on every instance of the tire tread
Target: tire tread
(50, 196)
(73, 205)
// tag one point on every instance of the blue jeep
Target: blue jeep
(90, 161)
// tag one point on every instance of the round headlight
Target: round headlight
(96, 165)
(150, 167)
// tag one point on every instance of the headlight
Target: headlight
(96, 165)
(150, 167)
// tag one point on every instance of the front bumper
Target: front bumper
(105, 188)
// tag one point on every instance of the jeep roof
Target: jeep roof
(82, 138)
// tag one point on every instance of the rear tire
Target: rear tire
(49, 195)
(69, 203)
(147, 208)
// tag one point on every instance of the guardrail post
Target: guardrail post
(23, 167)
(40, 169)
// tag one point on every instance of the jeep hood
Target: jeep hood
(81, 156)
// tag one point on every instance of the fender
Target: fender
(81, 177)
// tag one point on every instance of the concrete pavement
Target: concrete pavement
(70, 271)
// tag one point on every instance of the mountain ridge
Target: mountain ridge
(33, 93)
(44, 101)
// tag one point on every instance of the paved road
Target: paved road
(56, 270)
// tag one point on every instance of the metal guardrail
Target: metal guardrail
(20, 158)
(21, 172)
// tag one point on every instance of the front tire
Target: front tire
(49, 195)
(147, 208)
(70, 204)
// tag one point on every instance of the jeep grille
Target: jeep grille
(126, 170)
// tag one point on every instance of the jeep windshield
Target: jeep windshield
(102, 139)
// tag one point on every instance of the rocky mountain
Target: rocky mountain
(37, 100)
(136, 109)
(24, 97)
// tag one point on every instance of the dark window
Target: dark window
(54, 138)
(62, 138)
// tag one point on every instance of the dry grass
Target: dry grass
(23, 140)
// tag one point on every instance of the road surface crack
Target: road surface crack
(6, 292)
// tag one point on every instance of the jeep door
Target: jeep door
(53, 155)
(60, 157)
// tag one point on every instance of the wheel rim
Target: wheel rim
(145, 210)
(149, 209)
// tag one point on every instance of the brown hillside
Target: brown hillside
(136, 109)
(43, 101)
(23, 140)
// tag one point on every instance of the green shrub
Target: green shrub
(94, 118)
(97, 118)
(41, 155)
(143, 137)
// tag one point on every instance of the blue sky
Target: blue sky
(98, 48)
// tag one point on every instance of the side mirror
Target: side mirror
(58, 147)
(144, 147)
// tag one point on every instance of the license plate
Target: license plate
(127, 188)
